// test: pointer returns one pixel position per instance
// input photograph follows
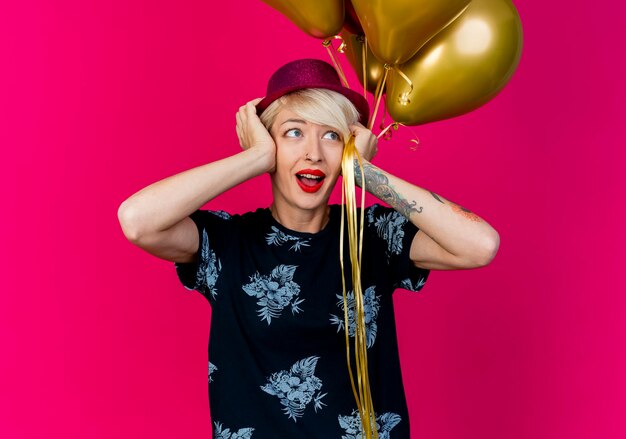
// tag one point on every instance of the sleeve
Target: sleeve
(204, 272)
(397, 234)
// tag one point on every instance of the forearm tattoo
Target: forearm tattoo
(436, 197)
(377, 183)
(458, 209)
(461, 210)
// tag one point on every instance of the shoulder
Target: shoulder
(256, 221)
(208, 215)
(226, 217)
(221, 214)
(253, 216)
(214, 222)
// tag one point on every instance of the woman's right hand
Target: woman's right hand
(253, 134)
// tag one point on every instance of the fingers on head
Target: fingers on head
(242, 114)
(251, 109)
(239, 131)
(246, 112)
(356, 126)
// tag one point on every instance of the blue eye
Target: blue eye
(336, 136)
(293, 130)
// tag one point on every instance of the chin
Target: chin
(311, 202)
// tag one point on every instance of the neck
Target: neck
(293, 218)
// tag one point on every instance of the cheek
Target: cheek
(334, 159)
(281, 151)
(286, 157)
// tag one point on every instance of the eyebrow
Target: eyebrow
(294, 120)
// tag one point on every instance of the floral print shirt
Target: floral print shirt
(277, 354)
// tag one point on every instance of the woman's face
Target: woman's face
(308, 161)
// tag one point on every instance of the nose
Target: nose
(313, 151)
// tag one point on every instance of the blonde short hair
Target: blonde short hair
(316, 105)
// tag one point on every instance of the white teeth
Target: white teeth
(316, 177)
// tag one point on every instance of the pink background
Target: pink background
(100, 340)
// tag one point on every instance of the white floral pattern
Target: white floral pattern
(209, 269)
(278, 238)
(354, 430)
(212, 368)
(275, 291)
(407, 284)
(296, 388)
(221, 433)
(371, 306)
(389, 226)
(220, 214)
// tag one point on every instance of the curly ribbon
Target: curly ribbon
(378, 94)
(355, 244)
(386, 133)
(341, 49)
(403, 98)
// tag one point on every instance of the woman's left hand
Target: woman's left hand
(366, 142)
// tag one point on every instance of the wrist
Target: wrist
(358, 180)
(259, 161)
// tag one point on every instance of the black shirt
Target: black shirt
(277, 353)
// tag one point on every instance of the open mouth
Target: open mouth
(310, 180)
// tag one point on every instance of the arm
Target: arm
(451, 236)
(164, 204)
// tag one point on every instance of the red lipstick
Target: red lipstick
(310, 180)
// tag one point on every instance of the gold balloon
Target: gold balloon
(318, 18)
(460, 69)
(397, 29)
(354, 52)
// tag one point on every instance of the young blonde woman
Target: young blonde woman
(277, 347)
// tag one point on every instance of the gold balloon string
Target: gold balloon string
(345, 305)
(348, 191)
(345, 193)
(363, 39)
(386, 133)
(403, 98)
(328, 44)
(378, 94)
(355, 243)
(360, 333)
